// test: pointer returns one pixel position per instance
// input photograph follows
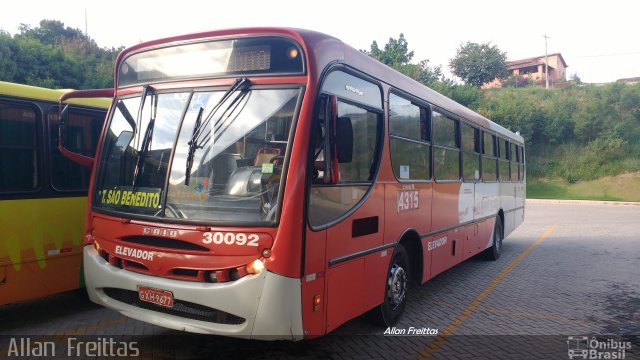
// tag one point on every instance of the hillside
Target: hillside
(574, 133)
(624, 187)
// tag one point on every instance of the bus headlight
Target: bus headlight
(255, 267)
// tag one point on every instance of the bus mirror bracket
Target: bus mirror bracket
(334, 164)
(62, 124)
(344, 139)
(64, 119)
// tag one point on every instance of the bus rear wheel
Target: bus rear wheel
(396, 290)
(493, 253)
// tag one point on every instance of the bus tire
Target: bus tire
(493, 253)
(396, 290)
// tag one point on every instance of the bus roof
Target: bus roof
(53, 95)
(322, 49)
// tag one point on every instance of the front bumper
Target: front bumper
(266, 306)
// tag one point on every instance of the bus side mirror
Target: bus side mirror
(344, 139)
(122, 143)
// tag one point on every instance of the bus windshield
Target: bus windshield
(206, 156)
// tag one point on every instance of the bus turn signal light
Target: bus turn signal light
(316, 303)
(255, 267)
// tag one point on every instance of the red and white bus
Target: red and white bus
(274, 183)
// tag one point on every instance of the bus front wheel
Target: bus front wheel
(396, 290)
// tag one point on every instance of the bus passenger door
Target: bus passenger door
(355, 270)
(345, 204)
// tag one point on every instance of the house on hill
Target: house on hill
(631, 81)
(534, 69)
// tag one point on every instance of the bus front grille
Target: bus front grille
(180, 308)
(164, 243)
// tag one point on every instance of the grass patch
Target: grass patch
(625, 187)
(541, 189)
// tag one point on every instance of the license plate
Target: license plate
(156, 296)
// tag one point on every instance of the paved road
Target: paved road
(571, 270)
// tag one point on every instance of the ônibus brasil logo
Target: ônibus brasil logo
(583, 347)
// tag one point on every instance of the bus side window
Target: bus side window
(83, 130)
(351, 169)
(446, 147)
(489, 166)
(19, 148)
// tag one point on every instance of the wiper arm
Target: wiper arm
(225, 120)
(197, 141)
(146, 140)
(193, 145)
(239, 84)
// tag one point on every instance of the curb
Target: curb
(582, 202)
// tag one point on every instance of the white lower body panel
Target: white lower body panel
(269, 303)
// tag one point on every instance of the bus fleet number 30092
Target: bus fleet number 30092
(230, 238)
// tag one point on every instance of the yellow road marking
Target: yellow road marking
(477, 301)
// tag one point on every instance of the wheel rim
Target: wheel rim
(397, 286)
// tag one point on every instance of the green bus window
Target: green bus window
(446, 150)
(19, 148)
(489, 166)
(504, 173)
(409, 139)
(471, 153)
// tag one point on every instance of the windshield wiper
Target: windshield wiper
(146, 140)
(197, 140)
(193, 145)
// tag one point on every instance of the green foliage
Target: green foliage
(516, 81)
(577, 133)
(477, 64)
(8, 69)
(574, 78)
(466, 95)
(396, 55)
(55, 56)
(396, 52)
(611, 188)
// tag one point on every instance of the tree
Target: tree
(477, 64)
(396, 55)
(50, 32)
(8, 65)
(575, 79)
(55, 56)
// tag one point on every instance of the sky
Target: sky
(596, 39)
